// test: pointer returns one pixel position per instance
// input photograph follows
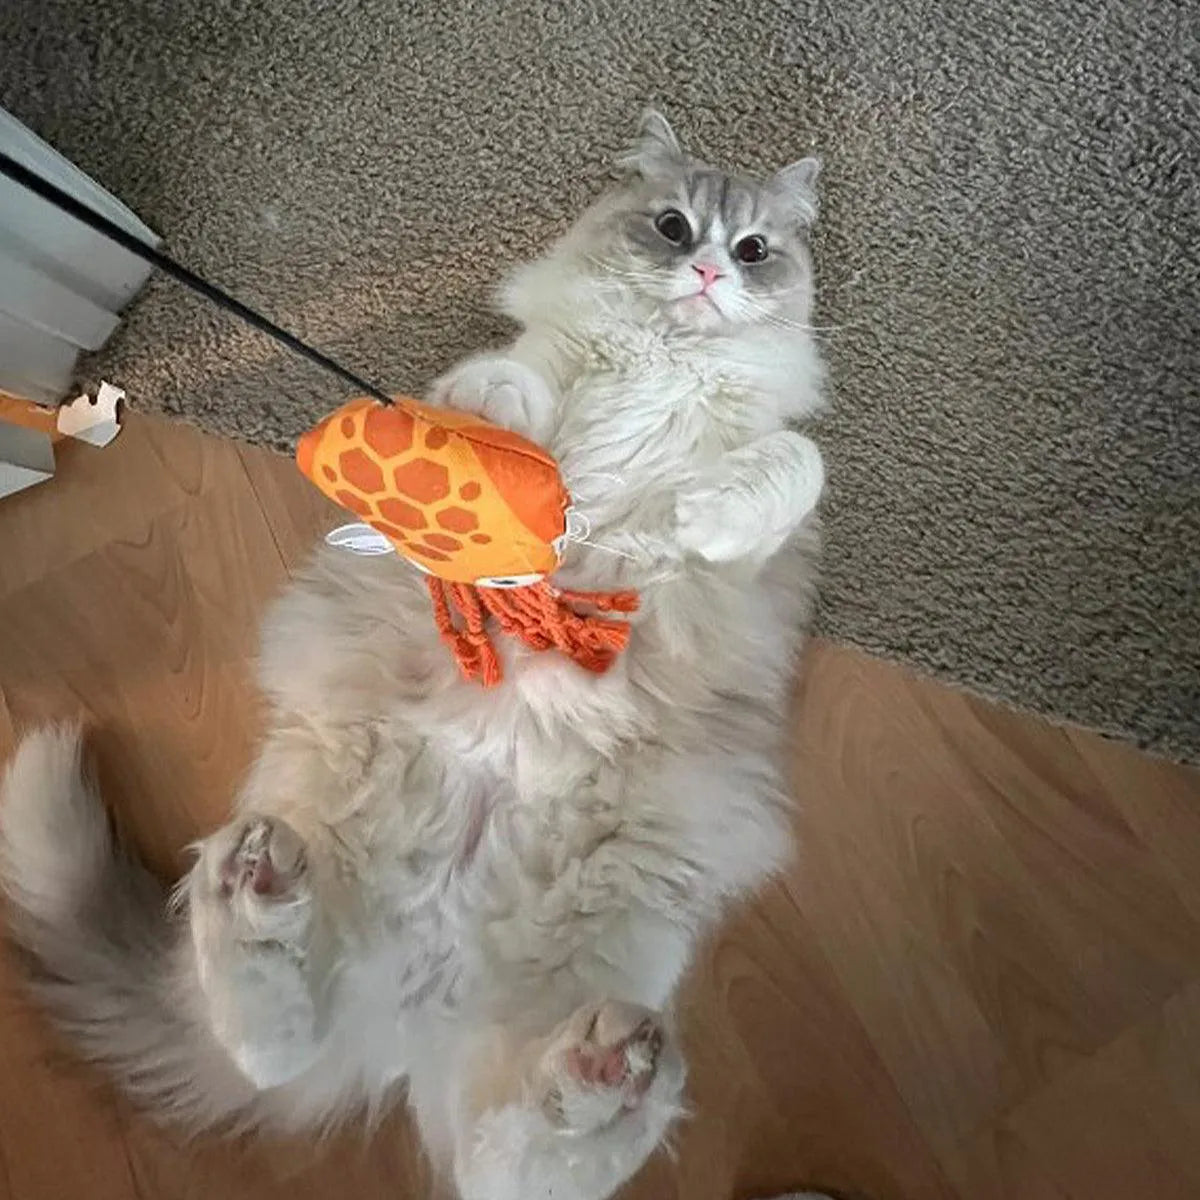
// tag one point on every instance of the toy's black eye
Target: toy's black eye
(673, 225)
(752, 249)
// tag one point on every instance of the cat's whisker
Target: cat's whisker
(791, 326)
(779, 322)
(763, 314)
(747, 304)
(621, 272)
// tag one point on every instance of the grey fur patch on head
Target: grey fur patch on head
(656, 152)
(721, 211)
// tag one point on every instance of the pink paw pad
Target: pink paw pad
(267, 860)
(621, 1050)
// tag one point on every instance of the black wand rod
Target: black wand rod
(101, 224)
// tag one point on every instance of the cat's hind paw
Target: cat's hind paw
(259, 958)
(603, 1062)
(257, 876)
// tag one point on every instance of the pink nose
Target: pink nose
(708, 273)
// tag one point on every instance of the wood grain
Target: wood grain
(980, 978)
(1127, 1117)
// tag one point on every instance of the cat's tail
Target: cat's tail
(101, 954)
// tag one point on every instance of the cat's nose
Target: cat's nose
(708, 274)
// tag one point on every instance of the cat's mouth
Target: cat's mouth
(700, 307)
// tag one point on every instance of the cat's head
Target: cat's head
(705, 249)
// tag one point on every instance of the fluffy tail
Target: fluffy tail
(101, 955)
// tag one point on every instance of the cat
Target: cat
(486, 899)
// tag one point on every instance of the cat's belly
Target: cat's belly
(591, 881)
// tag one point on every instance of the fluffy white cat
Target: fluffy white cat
(486, 899)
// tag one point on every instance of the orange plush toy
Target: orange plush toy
(482, 511)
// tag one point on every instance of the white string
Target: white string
(579, 525)
(579, 529)
(606, 549)
(609, 476)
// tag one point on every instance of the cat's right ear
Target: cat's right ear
(656, 150)
(797, 185)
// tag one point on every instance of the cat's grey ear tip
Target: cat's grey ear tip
(807, 170)
(656, 143)
(654, 126)
(798, 180)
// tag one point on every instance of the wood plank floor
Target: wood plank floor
(981, 979)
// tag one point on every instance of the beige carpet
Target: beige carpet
(1009, 254)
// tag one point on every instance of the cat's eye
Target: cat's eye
(673, 225)
(752, 249)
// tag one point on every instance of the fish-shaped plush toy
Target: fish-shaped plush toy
(482, 511)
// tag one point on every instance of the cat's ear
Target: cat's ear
(656, 149)
(798, 185)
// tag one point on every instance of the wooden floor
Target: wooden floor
(980, 980)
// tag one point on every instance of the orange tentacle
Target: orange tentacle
(540, 616)
(471, 646)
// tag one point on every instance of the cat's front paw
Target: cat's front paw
(749, 505)
(500, 390)
(714, 522)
